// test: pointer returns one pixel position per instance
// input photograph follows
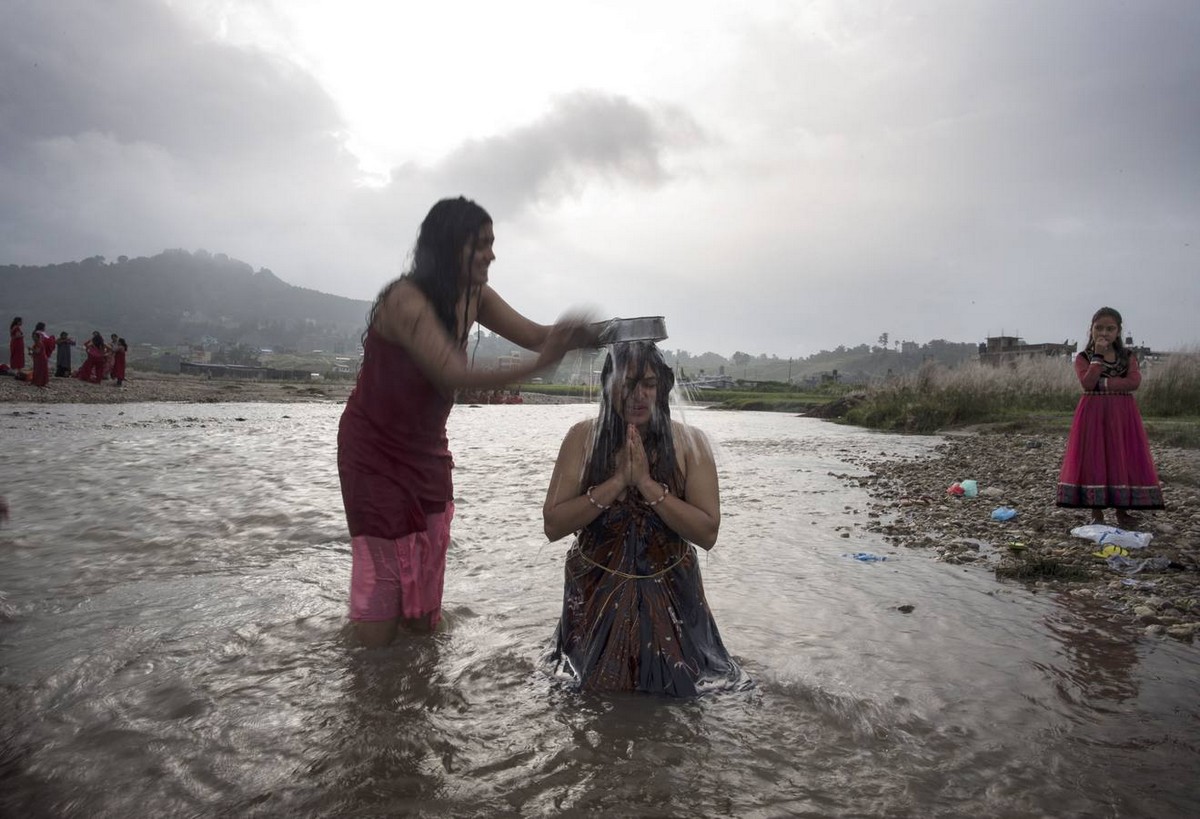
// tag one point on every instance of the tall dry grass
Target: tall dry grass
(1171, 386)
(937, 397)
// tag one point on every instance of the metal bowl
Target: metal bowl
(642, 328)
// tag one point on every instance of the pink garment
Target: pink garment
(401, 577)
(394, 460)
(93, 365)
(1107, 462)
(41, 367)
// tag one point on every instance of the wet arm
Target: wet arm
(498, 316)
(407, 318)
(698, 518)
(567, 508)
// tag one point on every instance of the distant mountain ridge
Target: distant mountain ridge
(179, 297)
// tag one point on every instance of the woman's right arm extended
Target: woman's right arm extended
(567, 508)
(407, 318)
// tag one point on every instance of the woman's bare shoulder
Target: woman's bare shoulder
(400, 309)
(582, 429)
(690, 440)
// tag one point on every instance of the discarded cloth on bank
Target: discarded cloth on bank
(963, 489)
(1111, 535)
(1129, 565)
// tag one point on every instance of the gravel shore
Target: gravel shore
(912, 508)
(151, 386)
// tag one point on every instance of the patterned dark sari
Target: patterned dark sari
(634, 616)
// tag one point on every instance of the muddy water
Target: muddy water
(173, 643)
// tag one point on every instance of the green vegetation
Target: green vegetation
(1183, 433)
(767, 402)
(1036, 394)
(1039, 568)
(767, 397)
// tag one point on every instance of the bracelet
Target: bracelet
(593, 500)
(666, 491)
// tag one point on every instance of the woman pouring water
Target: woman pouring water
(394, 460)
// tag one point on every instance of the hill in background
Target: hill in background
(182, 298)
(178, 298)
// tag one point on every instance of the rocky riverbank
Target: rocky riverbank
(152, 386)
(912, 508)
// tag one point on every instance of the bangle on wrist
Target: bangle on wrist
(666, 490)
(595, 503)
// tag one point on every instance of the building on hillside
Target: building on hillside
(709, 382)
(1009, 349)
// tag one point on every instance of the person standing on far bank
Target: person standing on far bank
(394, 460)
(16, 346)
(63, 350)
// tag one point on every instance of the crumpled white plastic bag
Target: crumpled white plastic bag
(1111, 535)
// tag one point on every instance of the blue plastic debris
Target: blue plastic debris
(866, 557)
(1004, 513)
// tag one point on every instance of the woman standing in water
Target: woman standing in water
(394, 460)
(639, 490)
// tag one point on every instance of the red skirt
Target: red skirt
(16, 352)
(41, 370)
(1107, 462)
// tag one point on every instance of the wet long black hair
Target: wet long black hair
(1118, 345)
(609, 433)
(437, 260)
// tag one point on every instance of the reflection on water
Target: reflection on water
(174, 642)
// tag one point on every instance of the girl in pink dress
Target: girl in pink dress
(1107, 462)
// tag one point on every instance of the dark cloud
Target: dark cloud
(131, 69)
(125, 131)
(584, 137)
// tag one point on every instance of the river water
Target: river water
(174, 643)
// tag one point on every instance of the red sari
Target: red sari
(93, 366)
(634, 615)
(1107, 462)
(16, 348)
(41, 362)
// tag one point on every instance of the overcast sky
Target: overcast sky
(773, 177)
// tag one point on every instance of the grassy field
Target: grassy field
(1036, 395)
(773, 400)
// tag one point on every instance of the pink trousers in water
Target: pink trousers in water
(401, 577)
